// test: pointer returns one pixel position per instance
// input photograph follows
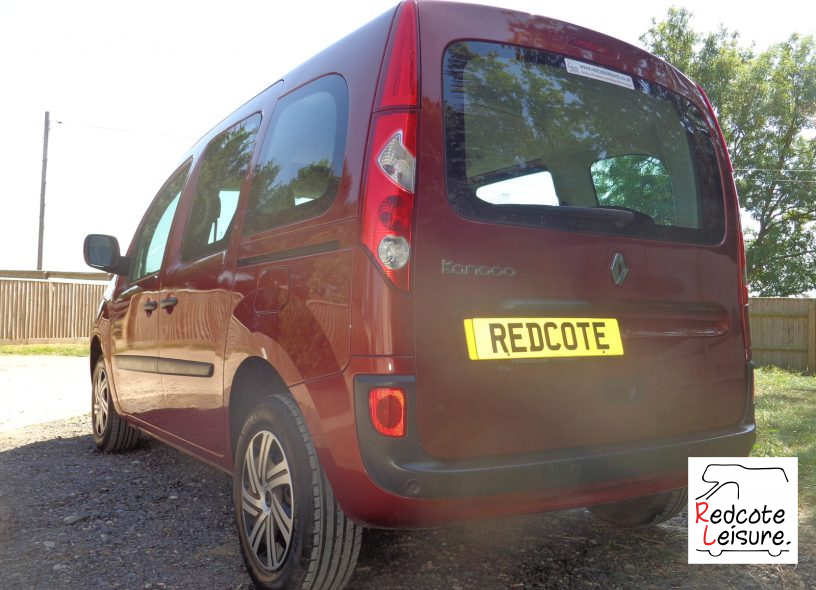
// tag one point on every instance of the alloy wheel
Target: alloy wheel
(100, 403)
(267, 500)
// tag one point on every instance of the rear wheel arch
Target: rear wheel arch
(254, 380)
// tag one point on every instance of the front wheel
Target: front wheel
(293, 533)
(642, 512)
(111, 433)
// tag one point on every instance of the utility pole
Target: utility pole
(42, 190)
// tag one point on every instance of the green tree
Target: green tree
(766, 104)
(636, 182)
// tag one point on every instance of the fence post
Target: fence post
(812, 337)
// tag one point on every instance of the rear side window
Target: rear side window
(298, 172)
(529, 143)
(224, 167)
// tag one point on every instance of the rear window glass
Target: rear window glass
(529, 143)
(636, 182)
(298, 172)
(531, 189)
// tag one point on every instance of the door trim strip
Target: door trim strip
(163, 366)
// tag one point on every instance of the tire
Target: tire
(110, 432)
(323, 545)
(643, 512)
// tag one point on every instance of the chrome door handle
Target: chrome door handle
(168, 302)
(150, 306)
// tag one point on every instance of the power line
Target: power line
(764, 181)
(792, 180)
(775, 180)
(782, 170)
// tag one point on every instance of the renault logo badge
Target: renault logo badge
(618, 269)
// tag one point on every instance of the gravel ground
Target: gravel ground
(71, 517)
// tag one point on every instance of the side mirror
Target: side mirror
(102, 252)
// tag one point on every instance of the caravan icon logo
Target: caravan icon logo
(743, 510)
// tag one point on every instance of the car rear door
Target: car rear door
(576, 262)
(197, 299)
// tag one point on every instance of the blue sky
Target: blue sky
(135, 84)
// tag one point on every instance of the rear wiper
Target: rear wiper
(600, 216)
(629, 217)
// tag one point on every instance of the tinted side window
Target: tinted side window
(223, 169)
(149, 252)
(301, 161)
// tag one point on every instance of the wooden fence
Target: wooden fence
(783, 331)
(47, 310)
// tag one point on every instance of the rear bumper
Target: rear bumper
(402, 467)
(393, 483)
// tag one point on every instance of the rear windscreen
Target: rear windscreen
(528, 142)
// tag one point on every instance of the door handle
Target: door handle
(168, 302)
(150, 306)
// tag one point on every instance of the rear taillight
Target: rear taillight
(386, 408)
(388, 210)
(743, 293)
(388, 193)
(743, 265)
(399, 80)
(743, 268)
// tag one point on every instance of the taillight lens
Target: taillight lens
(388, 209)
(399, 82)
(397, 163)
(386, 407)
(390, 180)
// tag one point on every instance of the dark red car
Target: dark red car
(466, 262)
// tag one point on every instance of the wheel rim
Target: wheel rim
(267, 500)
(100, 404)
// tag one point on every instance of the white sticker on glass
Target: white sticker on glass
(598, 73)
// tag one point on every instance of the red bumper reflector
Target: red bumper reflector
(386, 407)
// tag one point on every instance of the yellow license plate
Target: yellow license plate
(527, 338)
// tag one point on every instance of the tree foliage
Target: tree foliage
(766, 104)
(636, 182)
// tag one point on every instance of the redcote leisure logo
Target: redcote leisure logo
(743, 510)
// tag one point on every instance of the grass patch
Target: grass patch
(786, 426)
(46, 349)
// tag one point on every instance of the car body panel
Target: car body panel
(308, 301)
(683, 368)
(135, 337)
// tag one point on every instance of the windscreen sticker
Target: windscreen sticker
(598, 73)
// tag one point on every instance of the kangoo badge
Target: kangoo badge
(743, 510)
